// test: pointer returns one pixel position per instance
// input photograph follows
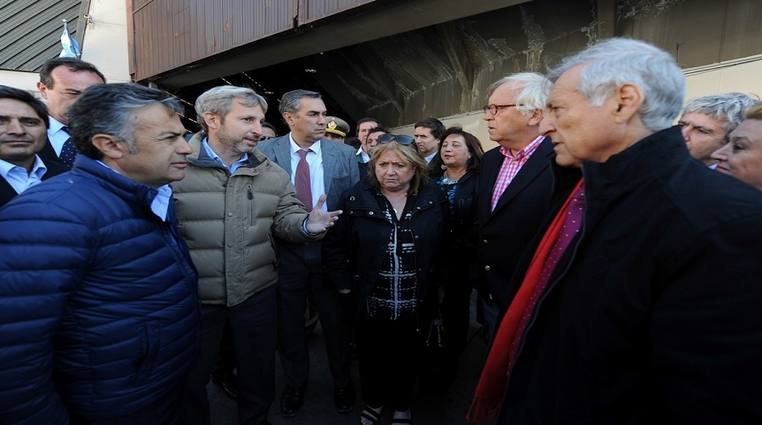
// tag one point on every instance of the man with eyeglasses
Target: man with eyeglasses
(515, 182)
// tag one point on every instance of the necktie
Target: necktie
(68, 151)
(302, 180)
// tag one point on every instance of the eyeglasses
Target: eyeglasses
(494, 109)
(402, 139)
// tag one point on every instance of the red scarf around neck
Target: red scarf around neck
(490, 391)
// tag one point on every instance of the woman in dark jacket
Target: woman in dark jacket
(460, 153)
(383, 249)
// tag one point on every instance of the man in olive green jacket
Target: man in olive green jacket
(230, 204)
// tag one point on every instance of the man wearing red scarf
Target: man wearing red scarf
(640, 304)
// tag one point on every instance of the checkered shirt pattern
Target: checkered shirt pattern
(511, 167)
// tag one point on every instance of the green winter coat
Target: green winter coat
(228, 222)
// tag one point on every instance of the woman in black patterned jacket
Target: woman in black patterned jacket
(383, 250)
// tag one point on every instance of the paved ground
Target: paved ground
(318, 408)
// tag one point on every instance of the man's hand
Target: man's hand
(319, 221)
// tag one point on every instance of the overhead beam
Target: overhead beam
(378, 20)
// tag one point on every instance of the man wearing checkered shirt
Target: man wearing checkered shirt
(515, 185)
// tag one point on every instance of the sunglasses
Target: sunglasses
(402, 139)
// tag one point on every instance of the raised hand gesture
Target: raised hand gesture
(319, 221)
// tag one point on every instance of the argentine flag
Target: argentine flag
(69, 44)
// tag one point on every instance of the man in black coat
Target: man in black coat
(62, 81)
(651, 315)
(428, 136)
(515, 182)
(23, 121)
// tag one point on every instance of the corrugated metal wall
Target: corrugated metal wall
(30, 31)
(171, 33)
(312, 10)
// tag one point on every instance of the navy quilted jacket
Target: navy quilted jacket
(98, 300)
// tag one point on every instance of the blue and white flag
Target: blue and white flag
(69, 44)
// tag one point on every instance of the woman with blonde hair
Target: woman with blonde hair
(741, 157)
(383, 250)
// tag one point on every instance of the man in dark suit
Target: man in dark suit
(516, 184)
(316, 168)
(364, 125)
(23, 121)
(62, 81)
(428, 135)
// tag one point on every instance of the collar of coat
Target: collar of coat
(652, 157)
(363, 200)
(199, 157)
(131, 191)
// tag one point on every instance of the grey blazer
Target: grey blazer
(340, 170)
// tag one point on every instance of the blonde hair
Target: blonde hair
(406, 153)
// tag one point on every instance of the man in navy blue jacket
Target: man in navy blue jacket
(99, 319)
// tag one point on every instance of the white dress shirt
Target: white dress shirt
(430, 158)
(315, 162)
(18, 177)
(365, 156)
(57, 135)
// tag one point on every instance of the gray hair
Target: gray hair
(534, 90)
(218, 100)
(728, 107)
(618, 61)
(290, 100)
(108, 109)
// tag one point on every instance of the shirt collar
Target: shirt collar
(55, 125)
(294, 147)
(364, 155)
(213, 155)
(38, 168)
(160, 202)
(524, 153)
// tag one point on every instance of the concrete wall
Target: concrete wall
(105, 43)
(20, 79)
(737, 75)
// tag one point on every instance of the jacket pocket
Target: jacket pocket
(150, 344)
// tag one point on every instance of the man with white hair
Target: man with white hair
(515, 181)
(649, 311)
(707, 121)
